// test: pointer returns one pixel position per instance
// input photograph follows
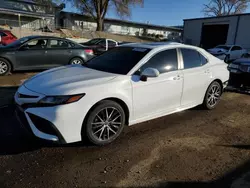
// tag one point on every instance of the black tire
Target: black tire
(92, 127)
(75, 61)
(5, 67)
(207, 100)
(227, 59)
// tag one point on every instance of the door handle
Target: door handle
(178, 77)
(207, 71)
(46, 52)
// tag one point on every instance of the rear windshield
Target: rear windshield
(119, 60)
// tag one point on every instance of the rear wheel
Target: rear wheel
(5, 67)
(76, 61)
(104, 123)
(212, 96)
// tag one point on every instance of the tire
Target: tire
(76, 61)
(212, 96)
(227, 59)
(5, 67)
(99, 130)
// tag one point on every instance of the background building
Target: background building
(212, 31)
(83, 22)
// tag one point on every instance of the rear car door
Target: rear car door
(31, 55)
(59, 52)
(197, 75)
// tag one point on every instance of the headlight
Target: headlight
(57, 100)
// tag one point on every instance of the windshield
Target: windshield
(18, 42)
(119, 60)
(223, 47)
(94, 41)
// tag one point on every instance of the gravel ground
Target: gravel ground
(194, 148)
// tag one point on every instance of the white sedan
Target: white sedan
(227, 52)
(130, 84)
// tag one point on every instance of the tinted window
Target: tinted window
(191, 58)
(111, 43)
(95, 41)
(59, 44)
(119, 60)
(35, 44)
(164, 61)
(203, 59)
(102, 42)
(2, 34)
(236, 48)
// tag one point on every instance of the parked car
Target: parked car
(130, 84)
(227, 52)
(40, 52)
(240, 74)
(6, 37)
(100, 45)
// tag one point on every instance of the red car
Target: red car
(6, 37)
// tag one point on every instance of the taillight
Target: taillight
(89, 51)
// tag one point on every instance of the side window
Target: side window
(164, 61)
(2, 34)
(58, 44)
(102, 42)
(111, 43)
(203, 60)
(36, 44)
(191, 58)
(234, 48)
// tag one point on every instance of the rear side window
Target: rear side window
(59, 44)
(164, 61)
(203, 60)
(192, 58)
(236, 48)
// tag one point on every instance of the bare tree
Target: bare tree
(225, 7)
(97, 9)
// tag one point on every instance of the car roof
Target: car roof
(153, 45)
(47, 37)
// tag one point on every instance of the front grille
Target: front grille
(42, 125)
(20, 95)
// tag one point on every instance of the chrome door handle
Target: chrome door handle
(207, 71)
(178, 77)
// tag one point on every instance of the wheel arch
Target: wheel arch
(9, 61)
(115, 99)
(215, 80)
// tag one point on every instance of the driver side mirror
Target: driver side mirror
(149, 73)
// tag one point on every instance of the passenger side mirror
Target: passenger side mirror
(149, 73)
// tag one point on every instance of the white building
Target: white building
(83, 22)
(212, 31)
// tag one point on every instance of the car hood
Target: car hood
(66, 80)
(217, 50)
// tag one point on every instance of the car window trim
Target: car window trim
(182, 61)
(152, 55)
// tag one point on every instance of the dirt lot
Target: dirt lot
(194, 148)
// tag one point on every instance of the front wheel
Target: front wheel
(212, 96)
(76, 61)
(104, 123)
(4, 67)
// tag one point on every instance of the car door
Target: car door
(197, 77)
(59, 52)
(111, 44)
(160, 94)
(31, 55)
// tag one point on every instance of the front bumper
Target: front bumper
(57, 123)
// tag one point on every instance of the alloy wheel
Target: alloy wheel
(106, 123)
(213, 96)
(76, 62)
(3, 67)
